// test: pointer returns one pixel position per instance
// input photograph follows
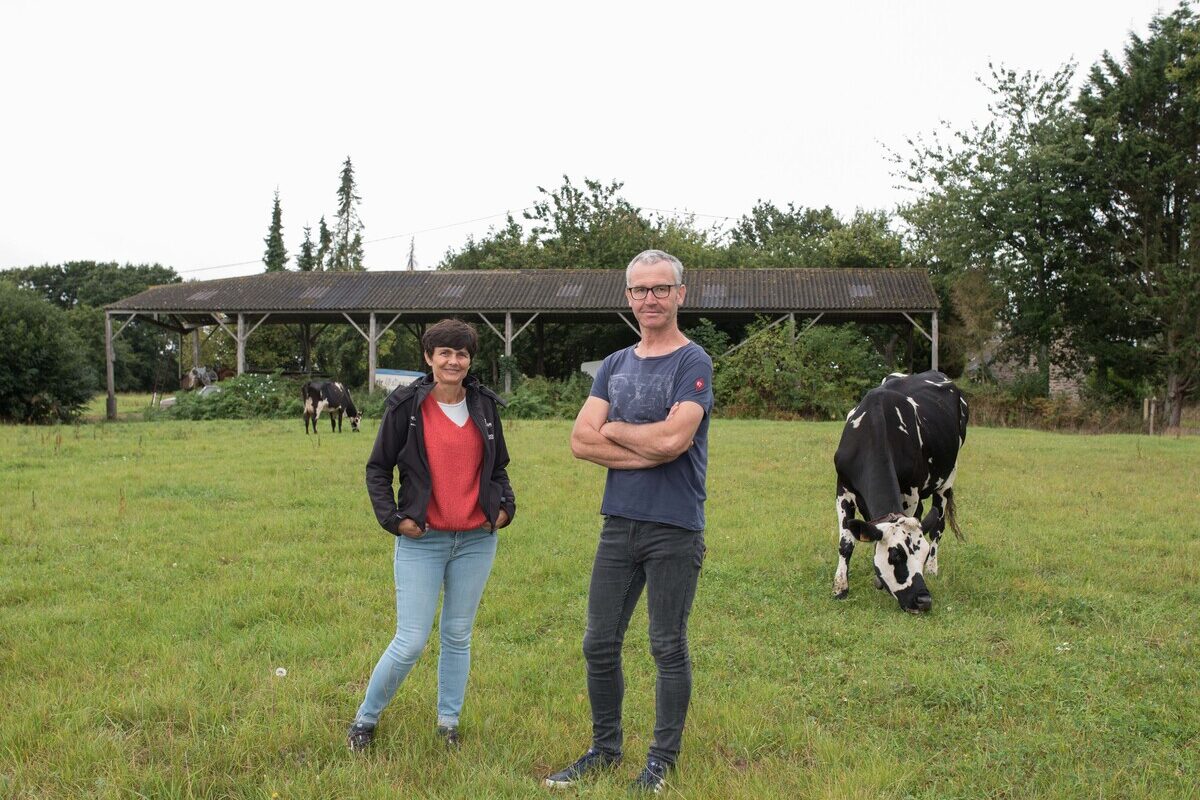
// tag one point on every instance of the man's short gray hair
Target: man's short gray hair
(656, 257)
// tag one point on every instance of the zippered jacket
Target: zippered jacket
(400, 445)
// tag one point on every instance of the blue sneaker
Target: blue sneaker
(653, 778)
(590, 763)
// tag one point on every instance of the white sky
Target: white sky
(158, 132)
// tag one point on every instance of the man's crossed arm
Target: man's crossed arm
(626, 445)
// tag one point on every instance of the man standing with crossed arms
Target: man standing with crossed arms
(647, 422)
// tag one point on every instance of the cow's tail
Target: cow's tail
(952, 517)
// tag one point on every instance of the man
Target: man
(646, 420)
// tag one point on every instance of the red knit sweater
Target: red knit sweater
(455, 456)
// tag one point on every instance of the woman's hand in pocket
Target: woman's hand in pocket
(408, 527)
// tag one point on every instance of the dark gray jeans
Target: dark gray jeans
(666, 560)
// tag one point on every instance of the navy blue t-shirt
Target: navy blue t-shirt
(642, 390)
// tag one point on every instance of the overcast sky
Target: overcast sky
(158, 132)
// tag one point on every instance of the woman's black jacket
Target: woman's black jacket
(401, 445)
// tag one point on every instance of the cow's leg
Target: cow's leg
(338, 415)
(320, 406)
(845, 511)
(938, 501)
(941, 499)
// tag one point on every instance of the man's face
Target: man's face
(653, 312)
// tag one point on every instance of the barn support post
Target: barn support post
(372, 352)
(195, 347)
(241, 343)
(933, 326)
(111, 403)
(508, 337)
(305, 349)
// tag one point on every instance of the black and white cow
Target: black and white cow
(899, 447)
(321, 396)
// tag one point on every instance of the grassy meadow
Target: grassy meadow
(157, 577)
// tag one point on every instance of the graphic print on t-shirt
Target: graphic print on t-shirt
(640, 398)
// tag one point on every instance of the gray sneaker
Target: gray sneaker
(590, 763)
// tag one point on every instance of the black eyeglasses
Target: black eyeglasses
(660, 291)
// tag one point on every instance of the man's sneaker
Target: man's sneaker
(590, 763)
(449, 735)
(653, 778)
(359, 737)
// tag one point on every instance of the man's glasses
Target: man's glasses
(660, 291)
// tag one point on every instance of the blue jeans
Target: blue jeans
(666, 561)
(459, 562)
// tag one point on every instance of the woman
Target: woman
(443, 435)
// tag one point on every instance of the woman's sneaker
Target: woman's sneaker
(590, 763)
(360, 736)
(653, 778)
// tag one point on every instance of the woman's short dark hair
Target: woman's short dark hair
(452, 333)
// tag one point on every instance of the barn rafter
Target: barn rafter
(372, 302)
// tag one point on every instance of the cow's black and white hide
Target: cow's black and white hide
(899, 448)
(331, 396)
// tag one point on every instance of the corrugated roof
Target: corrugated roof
(562, 291)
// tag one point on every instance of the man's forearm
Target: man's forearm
(591, 445)
(648, 439)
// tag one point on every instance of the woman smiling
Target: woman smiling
(443, 435)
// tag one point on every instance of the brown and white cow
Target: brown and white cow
(899, 447)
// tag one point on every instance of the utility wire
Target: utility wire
(368, 241)
(677, 212)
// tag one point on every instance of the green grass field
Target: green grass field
(156, 575)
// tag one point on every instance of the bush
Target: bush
(44, 372)
(542, 398)
(1014, 405)
(821, 375)
(243, 397)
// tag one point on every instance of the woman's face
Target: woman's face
(449, 365)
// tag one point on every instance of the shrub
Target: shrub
(244, 397)
(1013, 405)
(822, 374)
(542, 398)
(44, 372)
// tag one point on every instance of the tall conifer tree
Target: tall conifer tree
(275, 258)
(324, 247)
(347, 242)
(306, 260)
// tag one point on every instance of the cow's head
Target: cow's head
(900, 552)
(354, 420)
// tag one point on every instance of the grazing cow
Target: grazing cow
(899, 447)
(319, 396)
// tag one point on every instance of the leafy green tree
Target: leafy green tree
(276, 256)
(1142, 123)
(807, 237)
(347, 251)
(90, 283)
(306, 259)
(44, 373)
(146, 356)
(1008, 198)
